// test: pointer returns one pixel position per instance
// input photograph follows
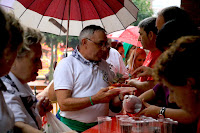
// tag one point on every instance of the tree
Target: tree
(145, 10)
(53, 40)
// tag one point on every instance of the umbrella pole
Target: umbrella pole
(67, 36)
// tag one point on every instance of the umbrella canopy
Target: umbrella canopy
(129, 35)
(52, 15)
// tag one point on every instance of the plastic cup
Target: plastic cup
(118, 117)
(104, 124)
(126, 125)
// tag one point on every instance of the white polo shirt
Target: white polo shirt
(84, 79)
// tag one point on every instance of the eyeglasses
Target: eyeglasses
(102, 44)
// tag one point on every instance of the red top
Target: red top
(149, 62)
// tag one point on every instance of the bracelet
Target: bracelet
(120, 98)
(91, 101)
(162, 111)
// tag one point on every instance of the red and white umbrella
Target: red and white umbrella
(55, 16)
(129, 35)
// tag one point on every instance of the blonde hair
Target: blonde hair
(134, 55)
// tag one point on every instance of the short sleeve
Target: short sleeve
(63, 75)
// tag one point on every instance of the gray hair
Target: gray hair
(31, 37)
(88, 31)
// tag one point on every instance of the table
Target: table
(95, 128)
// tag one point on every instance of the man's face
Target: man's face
(143, 38)
(97, 46)
(160, 22)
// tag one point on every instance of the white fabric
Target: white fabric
(15, 103)
(84, 80)
(118, 66)
(6, 116)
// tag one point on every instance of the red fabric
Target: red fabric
(149, 62)
(79, 10)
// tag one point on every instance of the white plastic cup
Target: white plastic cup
(104, 124)
(126, 125)
(118, 117)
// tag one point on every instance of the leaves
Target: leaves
(145, 10)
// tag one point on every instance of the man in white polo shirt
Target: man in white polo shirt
(80, 81)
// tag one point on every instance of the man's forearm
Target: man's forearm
(73, 104)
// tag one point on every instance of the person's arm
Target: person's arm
(141, 86)
(116, 103)
(48, 92)
(67, 103)
(147, 95)
(142, 71)
(25, 128)
(51, 92)
(179, 115)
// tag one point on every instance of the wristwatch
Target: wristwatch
(162, 111)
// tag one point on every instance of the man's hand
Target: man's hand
(44, 106)
(105, 95)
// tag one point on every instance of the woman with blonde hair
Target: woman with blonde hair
(136, 59)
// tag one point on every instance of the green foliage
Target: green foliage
(145, 10)
(55, 39)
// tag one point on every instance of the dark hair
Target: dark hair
(4, 32)
(116, 45)
(173, 12)
(180, 62)
(149, 24)
(89, 31)
(171, 31)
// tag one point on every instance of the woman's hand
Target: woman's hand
(149, 110)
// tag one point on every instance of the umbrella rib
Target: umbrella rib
(63, 17)
(80, 13)
(26, 8)
(128, 10)
(115, 14)
(98, 14)
(43, 14)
